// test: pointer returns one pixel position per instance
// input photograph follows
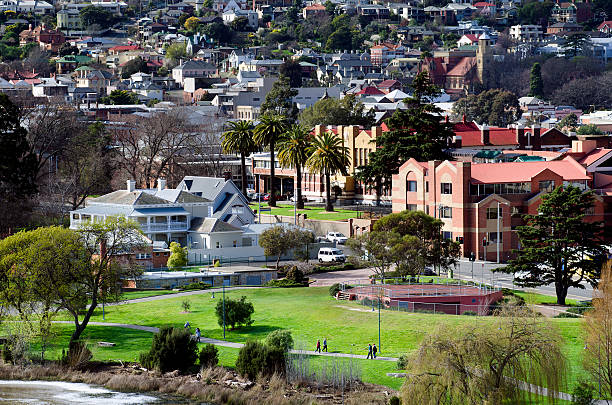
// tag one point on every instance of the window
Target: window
(492, 212)
(411, 185)
(447, 235)
(446, 212)
(411, 207)
(235, 243)
(427, 187)
(493, 237)
(446, 188)
(546, 186)
(217, 245)
(237, 210)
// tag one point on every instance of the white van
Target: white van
(331, 255)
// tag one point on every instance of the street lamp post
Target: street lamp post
(223, 309)
(379, 347)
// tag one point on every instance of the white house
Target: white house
(192, 68)
(250, 15)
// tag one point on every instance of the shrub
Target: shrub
(217, 264)
(583, 393)
(394, 400)
(323, 268)
(255, 358)
(196, 286)
(171, 349)
(237, 312)
(566, 315)
(470, 313)
(186, 304)
(284, 283)
(209, 356)
(281, 339)
(294, 274)
(402, 362)
(78, 355)
(334, 288)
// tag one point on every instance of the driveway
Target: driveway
(344, 276)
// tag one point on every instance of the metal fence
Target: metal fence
(430, 307)
(424, 285)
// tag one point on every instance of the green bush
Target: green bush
(172, 349)
(323, 268)
(583, 393)
(294, 274)
(283, 282)
(209, 356)
(237, 312)
(334, 288)
(470, 313)
(402, 362)
(196, 286)
(281, 339)
(579, 310)
(567, 315)
(257, 358)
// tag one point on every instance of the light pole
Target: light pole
(379, 347)
(223, 309)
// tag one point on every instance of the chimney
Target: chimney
(520, 136)
(484, 134)
(463, 118)
(536, 141)
(376, 132)
(131, 185)
(161, 184)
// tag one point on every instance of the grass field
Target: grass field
(309, 313)
(132, 295)
(313, 212)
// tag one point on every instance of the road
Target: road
(482, 272)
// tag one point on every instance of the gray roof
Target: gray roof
(196, 64)
(178, 196)
(105, 210)
(124, 197)
(208, 186)
(211, 225)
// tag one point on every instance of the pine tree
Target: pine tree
(536, 85)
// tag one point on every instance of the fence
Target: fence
(483, 309)
(433, 285)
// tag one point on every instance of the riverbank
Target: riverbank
(216, 385)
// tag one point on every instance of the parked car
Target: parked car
(331, 255)
(337, 237)
(266, 197)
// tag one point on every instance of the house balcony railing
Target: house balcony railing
(165, 227)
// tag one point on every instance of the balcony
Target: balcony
(165, 227)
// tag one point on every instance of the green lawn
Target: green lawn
(536, 298)
(132, 295)
(313, 212)
(310, 314)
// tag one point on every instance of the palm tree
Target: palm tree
(327, 156)
(268, 132)
(239, 139)
(293, 151)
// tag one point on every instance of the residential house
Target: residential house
(251, 16)
(467, 40)
(563, 28)
(265, 67)
(486, 8)
(526, 33)
(35, 7)
(47, 39)
(68, 63)
(576, 13)
(605, 27)
(313, 11)
(384, 53)
(193, 69)
(88, 77)
(373, 12)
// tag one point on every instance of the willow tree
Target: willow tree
(486, 362)
(598, 326)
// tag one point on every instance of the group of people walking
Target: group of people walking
(372, 351)
(318, 349)
(197, 334)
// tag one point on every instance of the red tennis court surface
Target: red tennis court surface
(446, 298)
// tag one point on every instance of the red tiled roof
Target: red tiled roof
(471, 135)
(483, 4)
(471, 37)
(370, 91)
(123, 48)
(605, 23)
(463, 67)
(387, 83)
(315, 7)
(514, 172)
(594, 155)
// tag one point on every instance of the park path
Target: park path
(174, 295)
(234, 345)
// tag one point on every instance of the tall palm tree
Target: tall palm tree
(239, 139)
(328, 157)
(268, 132)
(293, 151)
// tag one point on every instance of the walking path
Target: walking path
(178, 294)
(234, 345)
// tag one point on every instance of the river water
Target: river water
(64, 393)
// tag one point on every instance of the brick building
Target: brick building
(473, 200)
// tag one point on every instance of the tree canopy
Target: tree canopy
(334, 111)
(492, 107)
(178, 256)
(279, 240)
(120, 97)
(560, 245)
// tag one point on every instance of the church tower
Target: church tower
(484, 56)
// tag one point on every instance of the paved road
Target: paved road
(482, 272)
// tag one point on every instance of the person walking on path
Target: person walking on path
(318, 349)
(198, 334)
(325, 344)
(374, 350)
(369, 356)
